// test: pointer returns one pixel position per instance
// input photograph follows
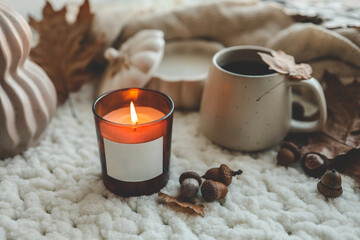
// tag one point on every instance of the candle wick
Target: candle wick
(134, 128)
(136, 123)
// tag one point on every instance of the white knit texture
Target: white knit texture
(55, 191)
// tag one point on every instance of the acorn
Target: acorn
(314, 164)
(221, 174)
(190, 183)
(212, 190)
(289, 153)
(330, 184)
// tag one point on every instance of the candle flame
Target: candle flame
(133, 115)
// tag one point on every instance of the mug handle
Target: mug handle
(303, 126)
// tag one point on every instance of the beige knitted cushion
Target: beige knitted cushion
(257, 23)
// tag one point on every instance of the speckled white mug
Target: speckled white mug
(230, 114)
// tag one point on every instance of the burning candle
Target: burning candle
(134, 136)
(129, 115)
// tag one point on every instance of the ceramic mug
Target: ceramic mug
(230, 114)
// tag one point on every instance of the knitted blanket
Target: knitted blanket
(55, 191)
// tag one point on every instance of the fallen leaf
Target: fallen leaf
(285, 64)
(195, 208)
(348, 164)
(65, 49)
(340, 133)
(339, 141)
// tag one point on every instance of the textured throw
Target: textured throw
(55, 191)
(257, 23)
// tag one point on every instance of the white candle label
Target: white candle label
(134, 162)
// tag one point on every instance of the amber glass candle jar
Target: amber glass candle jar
(134, 135)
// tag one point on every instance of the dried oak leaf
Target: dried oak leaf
(194, 208)
(65, 49)
(348, 164)
(342, 130)
(339, 141)
(285, 64)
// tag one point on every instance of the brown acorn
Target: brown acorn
(212, 190)
(221, 174)
(288, 154)
(313, 164)
(330, 184)
(190, 183)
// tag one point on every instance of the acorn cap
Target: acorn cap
(332, 179)
(329, 192)
(211, 190)
(186, 175)
(226, 174)
(330, 184)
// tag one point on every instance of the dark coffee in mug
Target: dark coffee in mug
(247, 68)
